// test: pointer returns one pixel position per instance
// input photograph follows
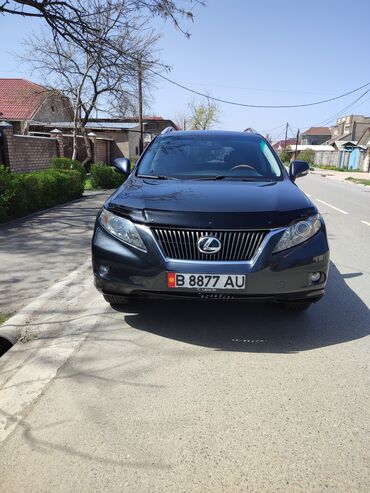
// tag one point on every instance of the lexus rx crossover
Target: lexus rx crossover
(211, 214)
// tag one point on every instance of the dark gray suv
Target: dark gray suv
(211, 214)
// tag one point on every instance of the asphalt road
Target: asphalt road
(201, 397)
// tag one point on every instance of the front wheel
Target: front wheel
(295, 306)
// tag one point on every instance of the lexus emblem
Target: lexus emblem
(209, 244)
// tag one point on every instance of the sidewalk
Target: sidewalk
(340, 175)
(38, 250)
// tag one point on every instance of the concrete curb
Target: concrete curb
(68, 312)
(11, 330)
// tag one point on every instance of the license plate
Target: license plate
(205, 281)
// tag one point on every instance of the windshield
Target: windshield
(210, 157)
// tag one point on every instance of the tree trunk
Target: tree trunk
(89, 152)
(75, 132)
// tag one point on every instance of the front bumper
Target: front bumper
(280, 276)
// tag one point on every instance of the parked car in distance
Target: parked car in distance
(211, 214)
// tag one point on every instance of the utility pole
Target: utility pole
(286, 135)
(140, 100)
(296, 145)
(184, 124)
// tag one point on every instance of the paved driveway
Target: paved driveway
(40, 249)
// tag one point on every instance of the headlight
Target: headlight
(121, 228)
(298, 233)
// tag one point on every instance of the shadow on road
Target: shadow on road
(341, 316)
(38, 250)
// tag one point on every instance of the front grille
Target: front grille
(181, 244)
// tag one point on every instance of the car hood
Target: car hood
(213, 204)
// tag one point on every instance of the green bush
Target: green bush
(5, 178)
(104, 176)
(307, 155)
(23, 193)
(285, 156)
(68, 164)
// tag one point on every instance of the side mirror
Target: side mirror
(298, 169)
(122, 165)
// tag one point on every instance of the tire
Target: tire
(115, 299)
(295, 306)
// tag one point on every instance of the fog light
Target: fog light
(103, 270)
(315, 276)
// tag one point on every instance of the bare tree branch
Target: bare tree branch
(107, 74)
(71, 19)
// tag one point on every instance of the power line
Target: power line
(279, 136)
(271, 129)
(293, 128)
(286, 91)
(339, 113)
(245, 105)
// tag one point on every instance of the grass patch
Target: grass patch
(4, 317)
(88, 184)
(361, 181)
(335, 168)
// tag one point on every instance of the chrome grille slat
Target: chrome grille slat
(257, 242)
(181, 244)
(237, 245)
(249, 244)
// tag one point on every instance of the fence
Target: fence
(24, 153)
(326, 158)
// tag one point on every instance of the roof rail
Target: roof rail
(250, 130)
(168, 129)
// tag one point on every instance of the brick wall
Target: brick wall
(24, 153)
(31, 153)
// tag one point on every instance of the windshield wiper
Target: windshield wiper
(158, 177)
(259, 178)
(235, 178)
(215, 177)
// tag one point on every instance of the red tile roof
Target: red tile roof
(317, 131)
(19, 98)
(280, 144)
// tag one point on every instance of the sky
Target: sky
(260, 52)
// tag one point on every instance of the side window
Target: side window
(275, 168)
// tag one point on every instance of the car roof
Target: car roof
(212, 133)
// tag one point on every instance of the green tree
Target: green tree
(203, 115)
(285, 156)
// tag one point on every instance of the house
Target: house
(315, 136)
(350, 127)
(153, 124)
(22, 101)
(123, 137)
(123, 133)
(352, 154)
(280, 145)
(364, 140)
(365, 143)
